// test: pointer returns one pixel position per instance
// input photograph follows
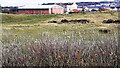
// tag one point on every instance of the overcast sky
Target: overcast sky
(25, 2)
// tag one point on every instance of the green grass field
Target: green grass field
(30, 40)
(34, 24)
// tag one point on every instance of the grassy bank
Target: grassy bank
(25, 18)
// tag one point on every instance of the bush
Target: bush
(108, 21)
(64, 21)
(52, 21)
(111, 21)
(104, 31)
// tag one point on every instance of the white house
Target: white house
(71, 7)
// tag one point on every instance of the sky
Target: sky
(33, 2)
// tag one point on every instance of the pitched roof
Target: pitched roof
(37, 6)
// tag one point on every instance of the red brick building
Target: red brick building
(41, 9)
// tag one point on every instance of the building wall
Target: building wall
(57, 10)
(33, 11)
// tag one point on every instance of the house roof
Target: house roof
(57, 3)
(37, 6)
(98, 7)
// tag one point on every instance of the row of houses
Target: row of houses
(93, 6)
(60, 8)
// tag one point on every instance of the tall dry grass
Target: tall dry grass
(56, 50)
